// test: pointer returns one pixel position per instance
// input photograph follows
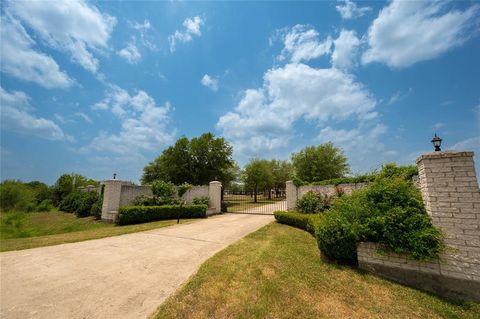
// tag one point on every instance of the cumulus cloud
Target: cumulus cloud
(191, 28)
(346, 50)
(407, 32)
(144, 124)
(130, 53)
(21, 60)
(76, 27)
(264, 118)
(210, 82)
(301, 43)
(350, 10)
(16, 117)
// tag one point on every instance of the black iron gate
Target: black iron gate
(264, 203)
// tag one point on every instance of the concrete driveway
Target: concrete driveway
(126, 276)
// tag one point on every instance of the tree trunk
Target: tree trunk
(255, 194)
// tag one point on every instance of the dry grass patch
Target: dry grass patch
(277, 272)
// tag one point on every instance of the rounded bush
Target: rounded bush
(312, 203)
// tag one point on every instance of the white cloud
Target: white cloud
(210, 82)
(75, 26)
(264, 118)
(192, 28)
(130, 53)
(20, 60)
(438, 125)
(350, 10)
(301, 44)
(16, 117)
(144, 125)
(469, 144)
(398, 96)
(362, 145)
(84, 116)
(407, 32)
(346, 49)
(142, 26)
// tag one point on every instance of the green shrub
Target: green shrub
(144, 200)
(45, 206)
(303, 221)
(389, 212)
(15, 195)
(79, 203)
(142, 214)
(96, 210)
(201, 201)
(163, 189)
(312, 203)
(347, 180)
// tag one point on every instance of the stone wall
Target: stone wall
(130, 192)
(119, 193)
(294, 193)
(452, 198)
(195, 192)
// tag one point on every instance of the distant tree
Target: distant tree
(197, 161)
(282, 171)
(258, 176)
(317, 163)
(68, 183)
(42, 191)
(15, 195)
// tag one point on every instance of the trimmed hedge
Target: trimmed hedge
(143, 214)
(303, 221)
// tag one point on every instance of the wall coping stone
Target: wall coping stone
(443, 154)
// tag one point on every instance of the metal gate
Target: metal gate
(264, 203)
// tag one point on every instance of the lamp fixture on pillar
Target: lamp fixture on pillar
(437, 142)
(114, 175)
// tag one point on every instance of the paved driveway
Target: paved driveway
(125, 276)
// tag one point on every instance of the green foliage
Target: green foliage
(282, 171)
(68, 183)
(347, 180)
(312, 203)
(197, 161)
(389, 212)
(163, 189)
(392, 170)
(143, 214)
(79, 203)
(183, 188)
(96, 210)
(201, 201)
(15, 195)
(257, 176)
(45, 206)
(303, 221)
(317, 163)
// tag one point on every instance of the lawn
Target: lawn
(28, 230)
(238, 203)
(277, 272)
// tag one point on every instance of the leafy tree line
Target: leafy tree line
(206, 158)
(16, 195)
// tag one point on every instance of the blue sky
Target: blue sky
(104, 87)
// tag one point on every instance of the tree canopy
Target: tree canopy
(197, 161)
(258, 175)
(317, 163)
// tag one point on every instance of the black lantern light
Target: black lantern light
(437, 142)
(114, 175)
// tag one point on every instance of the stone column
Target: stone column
(292, 194)
(111, 199)
(452, 198)
(215, 196)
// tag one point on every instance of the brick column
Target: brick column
(215, 196)
(111, 198)
(452, 198)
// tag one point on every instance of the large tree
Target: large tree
(317, 163)
(258, 176)
(68, 183)
(197, 161)
(282, 171)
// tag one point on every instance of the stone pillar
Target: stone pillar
(292, 194)
(452, 198)
(111, 199)
(215, 196)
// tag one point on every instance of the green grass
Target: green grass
(237, 203)
(20, 230)
(277, 272)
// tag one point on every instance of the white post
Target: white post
(291, 191)
(215, 196)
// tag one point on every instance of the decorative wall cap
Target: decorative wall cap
(444, 154)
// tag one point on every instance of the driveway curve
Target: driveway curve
(126, 276)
